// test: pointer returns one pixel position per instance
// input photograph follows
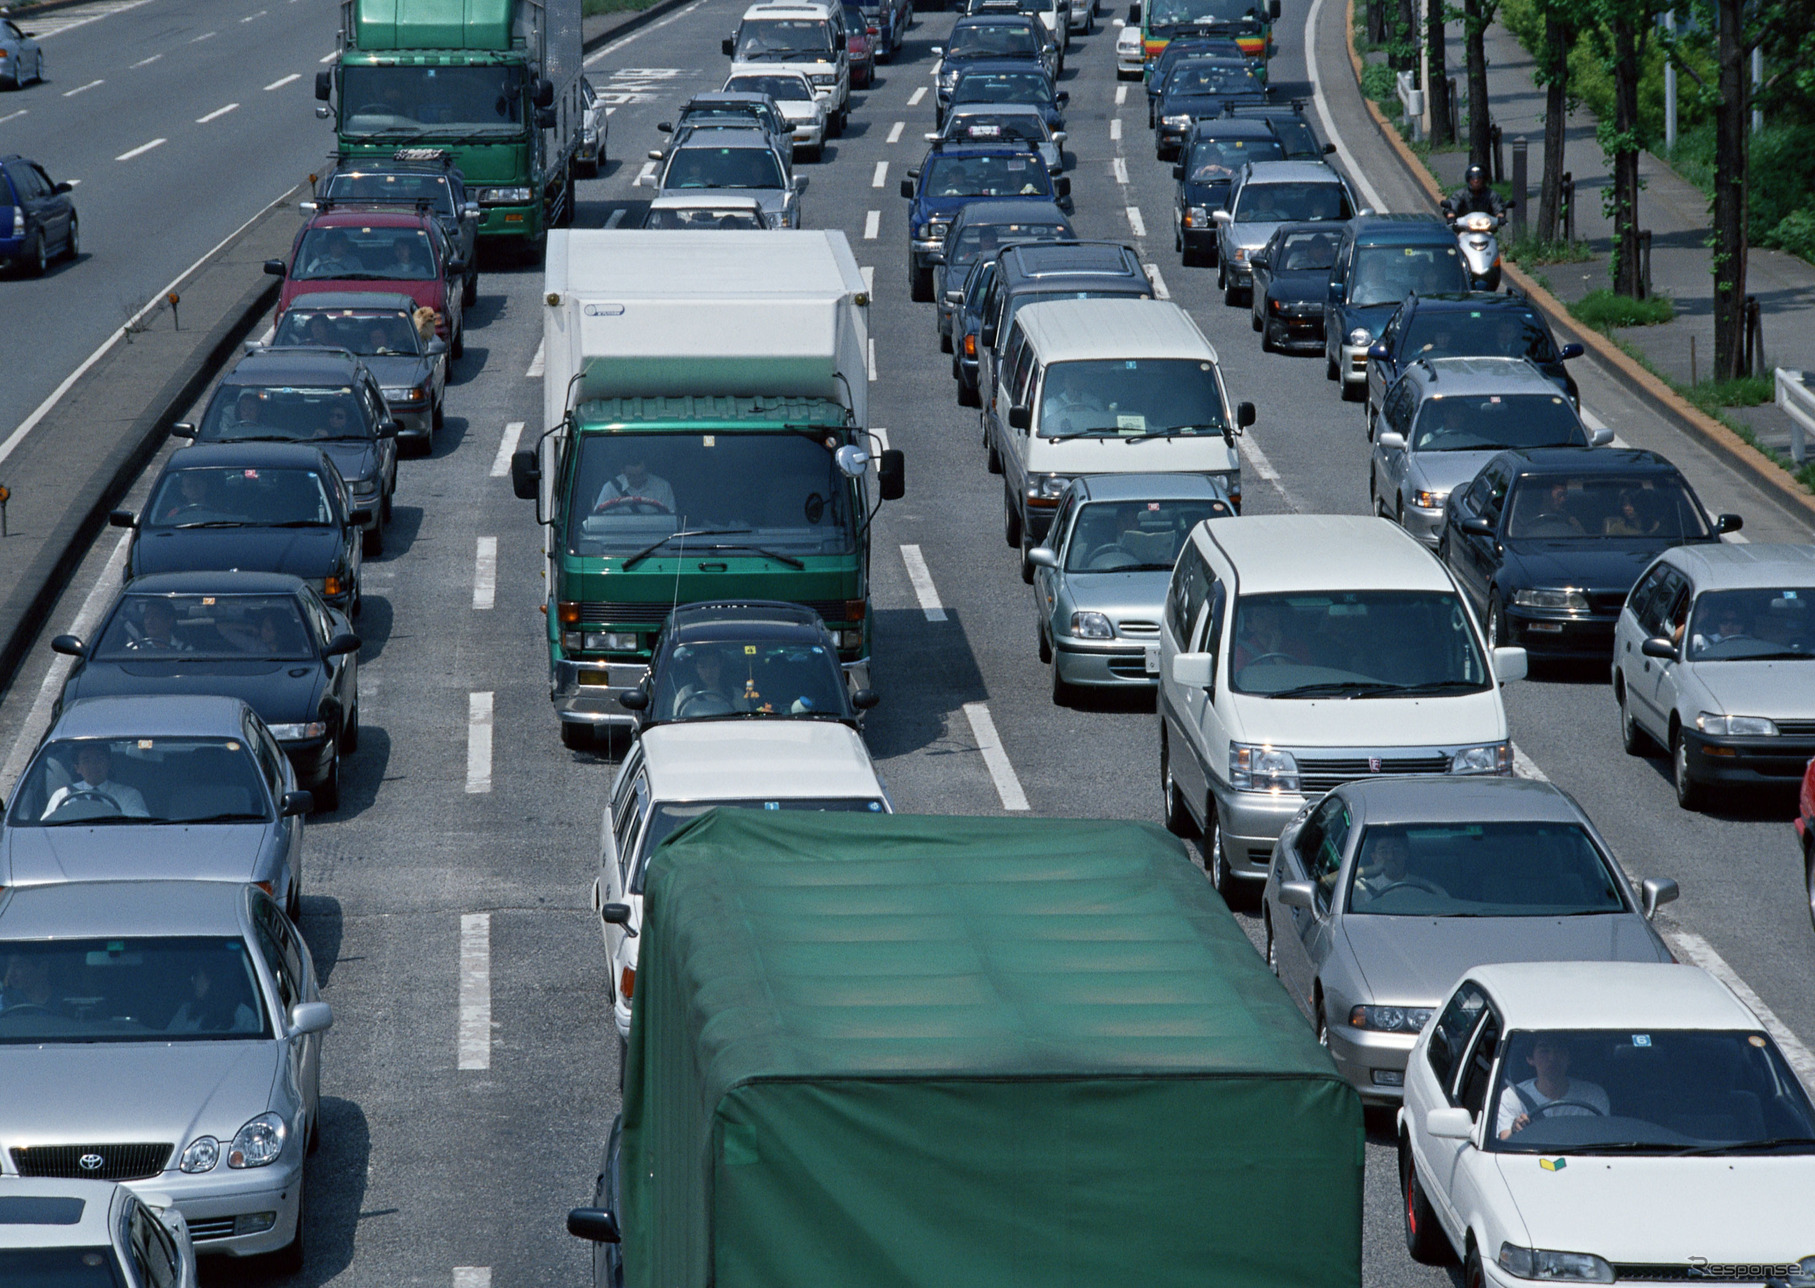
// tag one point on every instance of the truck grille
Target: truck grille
(600, 614)
(1320, 775)
(117, 1162)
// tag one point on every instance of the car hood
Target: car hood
(1611, 564)
(1204, 105)
(1300, 285)
(1139, 595)
(1635, 1209)
(1206, 192)
(1783, 689)
(396, 370)
(1411, 961)
(1253, 233)
(1447, 471)
(309, 553)
(281, 692)
(1184, 454)
(1371, 316)
(121, 852)
(134, 1091)
(355, 458)
(1455, 720)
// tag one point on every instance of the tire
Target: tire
(920, 284)
(968, 396)
(1632, 738)
(1496, 622)
(372, 543)
(1027, 568)
(384, 507)
(457, 346)
(576, 737)
(1368, 419)
(36, 260)
(995, 458)
(293, 910)
(1691, 793)
(1254, 321)
(1216, 861)
(1045, 644)
(1172, 803)
(72, 247)
(1267, 343)
(1424, 1238)
(1272, 950)
(1011, 520)
(819, 153)
(327, 796)
(436, 420)
(623, 1059)
(1329, 365)
(1351, 392)
(1472, 1274)
(349, 733)
(1321, 1024)
(945, 342)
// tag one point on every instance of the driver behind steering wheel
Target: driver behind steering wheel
(1390, 854)
(27, 984)
(1549, 1059)
(635, 483)
(94, 765)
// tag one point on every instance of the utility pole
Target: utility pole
(1758, 78)
(1670, 89)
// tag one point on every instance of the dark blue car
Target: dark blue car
(37, 218)
(1199, 89)
(1382, 259)
(955, 174)
(1004, 80)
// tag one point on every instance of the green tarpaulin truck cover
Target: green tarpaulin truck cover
(953, 1052)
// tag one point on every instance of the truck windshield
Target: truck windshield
(419, 101)
(668, 816)
(1131, 397)
(1177, 13)
(782, 40)
(753, 492)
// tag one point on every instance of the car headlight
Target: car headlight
(1046, 489)
(1231, 481)
(823, 79)
(1567, 1267)
(296, 732)
(1390, 1019)
(1429, 500)
(258, 1143)
(365, 489)
(1197, 217)
(200, 1155)
(414, 394)
(503, 196)
(1735, 726)
(1360, 336)
(947, 79)
(1493, 758)
(1179, 119)
(1560, 600)
(1261, 769)
(1091, 626)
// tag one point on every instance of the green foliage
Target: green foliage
(1379, 83)
(1603, 310)
(1747, 391)
(1529, 251)
(1795, 233)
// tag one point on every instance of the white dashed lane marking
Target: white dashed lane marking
(506, 446)
(475, 1039)
(1001, 772)
(922, 581)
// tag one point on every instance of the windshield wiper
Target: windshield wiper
(214, 523)
(1746, 1146)
(105, 820)
(222, 818)
(258, 438)
(790, 560)
(648, 550)
(1433, 686)
(1174, 432)
(1334, 688)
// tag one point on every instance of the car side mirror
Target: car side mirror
(1365, 212)
(120, 519)
(931, 136)
(435, 348)
(728, 46)
(634, 700)
(182, 429)
(986, 334)
(1449, 1124)
(1062, 186)
(1571, 350)
(655, 154)
(1222, 216)
(64, 185)
(455, 267)
(1390, 441)
(1728, 523)
(1298, 894)
(907, 188)
(938, 51)
(617, 914)
(308, 207)
(800, 183)
(1329, 149)
(1658, 891)
(1600, 437)
(865, 699)
(69, 646)
(1178, 171)
(275, 267)
(1193, 670)
(1062, 98)
(324, 85)
(891, 474)
(545, 92)
(343, 643)
(1043, 557)
(1020, 417)
(1379, 350)
(664, 127)
(1259, 260)
(1060, 136)
(296, 804)
(388, 428)
(1478, 527)
(595, 1225)
(525, 473)
(1657, 646)
(1244, 414)
(1510, 664)
(311, 1017)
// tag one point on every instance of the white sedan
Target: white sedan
(1130, 53)
(803, 110)
(1594, 1122)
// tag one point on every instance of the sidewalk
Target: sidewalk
(1678, 216)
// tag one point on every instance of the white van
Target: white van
(805, 38)
(1301, 651)
(1106, 386)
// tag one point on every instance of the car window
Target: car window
(1185, 597)
(270, 943)
(1491, 332)
(1387, 274)
(1493, 869)
(270, 759)
(1643, 591)
(1483, 422)
(363, 331)
(1493, 498)
(97, 782)
(1478, 1065)
(153, 1252)
(1451, 1033)
(239, 496)
(1021, 371)
(1562, 507)
(1269, 203)
(1758, 624)
(294, 413)
(629, 823)
(1136, 536)
(178, 988)
(1398, 407)
(371, 253)
(1308, 252)
(1321, 855)
(990, 175)
(1061, 521)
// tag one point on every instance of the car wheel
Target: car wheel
(1351, 392)
(1329, 365)
(436, 421)
(1232, 295)
(1495, 625)
(1267, 343)
(1424, 1238)
(1472, 1275)
(37, 259)
(349, 734)
(995, 458)
(576, 737)
(1222, 278)
(1322, 1025)
(72, 247)
(1368, 418)
(1808, 877)
(945, 342)
(1027, 568)
(1690, 793)
(1011, 519)
(1172, 802)
(384, 506)
(1216, 862)
(293, 903)
(1399, 512)
(372, 544)
(1254, 319)
(327, 796)
(1045, 644)
(1632, 738)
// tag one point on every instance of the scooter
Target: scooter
(1477, 235)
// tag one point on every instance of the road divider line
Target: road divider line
(922, 581)
(1594, 422)
(144, 62)
(206, 35)
(1115, 130)
(872, 357)
(13, 116)
(881, 436)
(1250, 450)
(279, 84)
(1135, 222)
(869, 280)
(1121, 95)
(478, 742)
(1120, 167)
(915, 98)
(507, 446)
(881, 176)
(82, 89)
(249, 17)
(872, 225)
(1001, 772)
(475, 1046)
(616, 217)
(472, 1277)
(1159, 283)
(1323, 111)
(329, 57)
(485, 573)
(217, 113)
(647, 170)
(895, 132)
(141, 150)
(536, 363)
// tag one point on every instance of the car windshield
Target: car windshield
(413, 102)
(702, 217)
(1478, 333)
(986, 176)
(1387, 274)
(1030, 126)
(1355, 644)
(240, 497)
(737, 679)
(1135, 536)
(1172, 13)
(1278, 203)
(1308, 252)
(741, 494)
(61, 1267)
(696, 167)
(986, 40)
(783, 89)
(89, 782)
(784, 40)
(1131, 397)
(382, 189)
(288, 413)
(1003, 87)
(1483, 422)
(667, 817)
(1300, 143)
(1482, 870)
(368, 332)
(357, 254)
(1217, 160)
(191, 627)
(1767, 622)
(986, 239)
(1666, 1091)
(1564, 507)
(1211, 78)
(188, 988)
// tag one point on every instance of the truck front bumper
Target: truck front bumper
(1251, 823)
(586, 693)
(510, 221)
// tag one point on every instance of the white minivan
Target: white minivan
(805, 38)
(1301, 651)
(1106, 386)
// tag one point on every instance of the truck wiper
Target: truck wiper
(790, 560)
(648, 550)
(1174, 432)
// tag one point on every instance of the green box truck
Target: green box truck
(921, 1052)
(707, 399)
(494, 83)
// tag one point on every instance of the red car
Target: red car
(860, 41)
(371, 250)
(1805, 835)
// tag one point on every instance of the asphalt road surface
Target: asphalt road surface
(471, 1074)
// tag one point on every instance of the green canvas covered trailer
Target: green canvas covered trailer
(944, 1052)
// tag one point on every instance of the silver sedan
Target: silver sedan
(166, 1035)
(159, 787)
(1386, 890)
(1100, 578)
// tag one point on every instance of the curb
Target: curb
(1736, 451)
(599, 39)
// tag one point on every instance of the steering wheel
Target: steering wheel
(89, 793)
(1415, 883)
(17, 1007)
(1543, 1111)
(1269, 657)
(704, 704)
(1108, 558)
(643, 504)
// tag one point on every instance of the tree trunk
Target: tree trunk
(1730, 204)
(1377, 21)
(1624, 199)
(1436, 84)
(1557, 36)
(1477, 14)
(1403, 46)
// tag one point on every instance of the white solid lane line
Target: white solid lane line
(1120, 167)
(881, 436)
(206, 35)
(1159, 283)
(249, 17)
(328, 58)
(872, 225)
(535, 363)
(915, 98)
(1323, 111)
(141, 150)
(13, 116)
(1115, 130)
(881, 176)
(647, 170)
(217, 113)
(82, 89)
(895, 131)
(145, 62)
(472, 1277)
(922, 581)
(485, 573)
(1257, 458)
(621, 41)
(506, 446)
(279, 84)
(872, 357)
(1135, 222)
(983, 728)
(475, 1045)
(478, 742)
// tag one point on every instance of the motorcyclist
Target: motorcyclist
(1475, 197)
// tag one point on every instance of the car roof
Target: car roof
(745, 614)
(786, 11)
(705, 199)
(301, 456)
(214, 583)
(1467, 301)
(49, 1228)
(1578, 460)
(1148, 487)
(295, 366)
(1260, 172)
(993, 20)
(337, 218)
(996, 65)
(1285, 553)
(735, 137)
(977, 107)
(987, 148)
(1723, 566)
(986, 212)
(162, 715)
(1438, 377)
(1612, 995)
(356, 300)
(1231, 127)
(1052, 262)
(1378, 229)
(1065, 330)
(755, 759)
(1429, 798)
(81, 909)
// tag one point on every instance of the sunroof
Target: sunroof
(32, 1209)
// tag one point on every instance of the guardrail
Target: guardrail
(1798, 403)
(1411, 99)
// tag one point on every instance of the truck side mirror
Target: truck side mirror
(1244, 414)
(633, 700)
(1020, 417)
(545, 118)
(617, 914)
(891, 474)
(545, 92)
(595, 1225)
(525, 473)
(1273, 10)
(1134, 15)
(324, 85)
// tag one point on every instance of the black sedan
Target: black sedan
(256, 507)
(1547, 542)
(1291, 284)
(753, 659)
(1178, 49)
(1198, 89)
(262, 637)
(1211, 154)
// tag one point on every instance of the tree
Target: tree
(1562, 27)
(1618, 32)
(1436, 89)
(1477, 17)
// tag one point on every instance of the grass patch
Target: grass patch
(1529, 251)
(1379, 82)
(1603, 310)
(590, 8)
(1747, 391)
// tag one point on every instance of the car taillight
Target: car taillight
(970, 346)
(330, 586)
(627, 982)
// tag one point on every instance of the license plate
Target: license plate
(1151, 657)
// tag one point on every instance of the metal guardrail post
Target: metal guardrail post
(1567, 199)
(1520, 186)
(1499, 154)
(1797, 402)
(1644, 263)
(1411, 102)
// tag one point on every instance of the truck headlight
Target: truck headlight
(1390, 1019)
(601, 641)
(1735, 726)
(1091, 626)
(1044, 490)
(1566, 1267)
(1562, 600)
(503, 196)
(1493, 758)
(1360, 336)
(258, 1143)
(1197, 217)
(298, 732)
(1261, 769)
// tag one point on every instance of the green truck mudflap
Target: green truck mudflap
(942, 1052)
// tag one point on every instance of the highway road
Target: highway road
(471, 1074)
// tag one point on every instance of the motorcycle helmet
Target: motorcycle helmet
(1476, 176)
